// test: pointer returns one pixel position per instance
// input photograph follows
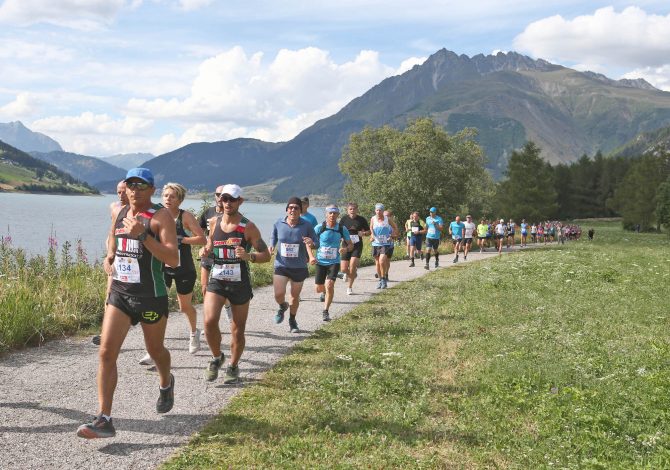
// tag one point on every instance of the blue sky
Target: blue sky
(117, 76)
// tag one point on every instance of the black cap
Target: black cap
(294, 200)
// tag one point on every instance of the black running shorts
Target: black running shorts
(294, 274)
(382, 250)
(326, 271)
(433, 243)
(184, 282)
(237, 293)
(140, 309)
(357, 252)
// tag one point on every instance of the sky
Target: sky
(105, 77)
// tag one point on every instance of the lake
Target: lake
(30, 219)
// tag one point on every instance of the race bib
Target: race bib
(126, 269)
(415, 229)
(431, 230)
(327, 252)
(227, 272)
(289, 250)
(355, 238)
(383, 239)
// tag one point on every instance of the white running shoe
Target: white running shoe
(146, 360)
(349, 291)
(194, 343)
(344, 278)
(229, 312)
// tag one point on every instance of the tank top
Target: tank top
(136, 271)
(185, 257)
(381, 232)
(227, 266)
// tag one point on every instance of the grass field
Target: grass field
(551, 358)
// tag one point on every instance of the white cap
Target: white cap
(232, 190)
(502, 221)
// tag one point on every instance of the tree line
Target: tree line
(423, 166)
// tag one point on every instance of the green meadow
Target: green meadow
(549, 358)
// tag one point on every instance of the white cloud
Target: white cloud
(189, 5)
(78, 14)
(630, 38)
(238, 94)
(34, 51)
(407, 64)
(22, 107)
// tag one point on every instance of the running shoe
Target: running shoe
(465, 257)
(146, 360)
(411, 265)
(99, 428)
(455, 260)
(96, 340)
(345, 277)
(326, 315)
(379, 284)
(194, 342)
(293, 325)
(376, 276)
(279, 317)
(426, 266)
(212, 371)
(166, 398)
(340, 275)
(229, 312)
(322, 297)
(350, 291)
(437, 264)
(232, 375)
(384, 283)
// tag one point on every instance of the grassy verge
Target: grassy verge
(555, 358)
(60, 294)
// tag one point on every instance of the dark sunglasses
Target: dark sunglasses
(138, 185)
(226, 197)
(293, 208)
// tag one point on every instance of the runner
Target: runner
(456, 229)
(469, 232)
(415, 231)
(295, 237)
(435, 225)
(123, 201)
(207, 261)
(540, 232)
(142, 237)
(382, 231)
(231, 238)
(524, 233)
(482, 233)
(358, 228)
(331, 236)
(307, 215)
(184, 275)
(533, 233)
(511, 229)
(500, 235)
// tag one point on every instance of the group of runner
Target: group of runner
(149, 247)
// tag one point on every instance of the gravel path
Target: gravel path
(47, 392)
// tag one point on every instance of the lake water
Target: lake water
(30, 219)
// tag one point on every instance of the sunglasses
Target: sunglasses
(226, 197)
(138, 185)
(293, 208)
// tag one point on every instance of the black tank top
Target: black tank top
(185, 257)
(136, 271)
(227, 266)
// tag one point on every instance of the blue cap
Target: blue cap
(142, 173)
(433, 209)
(379, 206)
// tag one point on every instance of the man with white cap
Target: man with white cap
(330, 237)
(142, 238)
(500, 234)
(435, 225)
(382, 229)
(231, 238)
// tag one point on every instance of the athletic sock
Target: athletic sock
(428, 258)
(105, 416)
(437, 257)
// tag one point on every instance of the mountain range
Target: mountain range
(19, 136)
(508, 97)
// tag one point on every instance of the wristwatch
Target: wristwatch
(142, 236)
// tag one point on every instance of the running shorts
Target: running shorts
(416, 241)
(140, 309)
(357, 252)
(237, 293)
(382, 250)
(294, 274)
(184, 282)
(326, 271)
(433, 243)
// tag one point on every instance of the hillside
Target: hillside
(128, 160)
(21, 172)
(646, 143)
(19, 136)
(509, 98)
(88, 169)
